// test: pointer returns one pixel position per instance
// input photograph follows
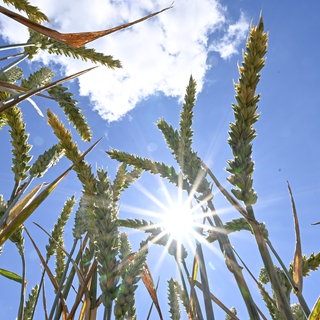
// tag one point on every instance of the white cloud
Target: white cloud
(228, 45)
(157, 55)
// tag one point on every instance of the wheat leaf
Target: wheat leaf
(149, 284)
(297, 261)
(10, 275)
(72, 39)
(15, 100)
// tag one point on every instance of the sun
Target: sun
(178, 222)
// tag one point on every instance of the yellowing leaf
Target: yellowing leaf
(29, 205)
(16, 210)
(148, 282)
(297, 261)
(315, 313)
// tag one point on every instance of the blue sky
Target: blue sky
(203, 38)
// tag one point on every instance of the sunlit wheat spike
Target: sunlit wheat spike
(19, 142)
(124, 179)
(297, 311)
(174, 307)
(71, 149)
(46, 160)
(60, 263)
(3, 205)
(72, 152)
(73, 112)
(58, 229)
(38, 79)
(241, 131)
(81, 216)
(171, 137)
(12, 75)
(283, 280)
(72, 39)
(234, 311)
(119, 181)
(184, 298)
(130, 274)
(186, 115)
(153, 167)
(188, 160)
(125, 247)
(31, 303)
(106, 235)
(17, 237)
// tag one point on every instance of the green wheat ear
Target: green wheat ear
(73, 112)
(46, 160)
(173, 300)
(58, 229)
(153, 167)
(31, 303)
(241, 131)
(19, 142)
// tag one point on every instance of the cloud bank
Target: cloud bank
(158, 55)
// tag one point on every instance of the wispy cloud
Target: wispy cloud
(158, 55)
(233, 37)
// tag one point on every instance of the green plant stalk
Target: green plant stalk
(182, 278)
(265, 255)
(66, 287)
(260, 286)
(61, 282)
(38, 293)
(15, 196)
(233, 265)
(23, 283)
(217, 301)
(193, 293)
(282, 302)
(299, 295)
(205, 282)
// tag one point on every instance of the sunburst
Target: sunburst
(178, 221)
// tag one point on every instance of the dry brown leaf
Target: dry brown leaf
(148, 282)
(72, 39)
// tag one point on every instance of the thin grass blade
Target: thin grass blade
(5, 105)
(217, 301)
(49, 273)
(15, 89)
